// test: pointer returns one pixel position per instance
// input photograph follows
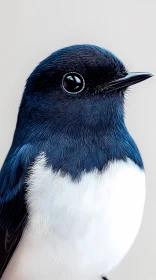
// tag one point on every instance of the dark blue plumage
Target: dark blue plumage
(77, 132)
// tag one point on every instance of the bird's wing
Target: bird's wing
(13, 213)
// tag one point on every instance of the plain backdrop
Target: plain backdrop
(32, 29)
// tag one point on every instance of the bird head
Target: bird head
(76, 87)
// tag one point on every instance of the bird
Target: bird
(72, 186)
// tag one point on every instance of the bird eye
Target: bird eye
(73, 83)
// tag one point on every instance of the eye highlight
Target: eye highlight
(73, 83)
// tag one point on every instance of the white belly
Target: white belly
(78, 230)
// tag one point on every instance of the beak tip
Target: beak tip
(149, 75)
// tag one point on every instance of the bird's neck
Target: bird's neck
(81, 120)
(80, 139)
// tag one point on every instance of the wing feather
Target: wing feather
(13, 211)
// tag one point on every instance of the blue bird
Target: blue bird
(72, 187)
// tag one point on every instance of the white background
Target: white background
(32, 29)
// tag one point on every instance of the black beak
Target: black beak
(128, 80)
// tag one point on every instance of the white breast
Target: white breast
(78, 230)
